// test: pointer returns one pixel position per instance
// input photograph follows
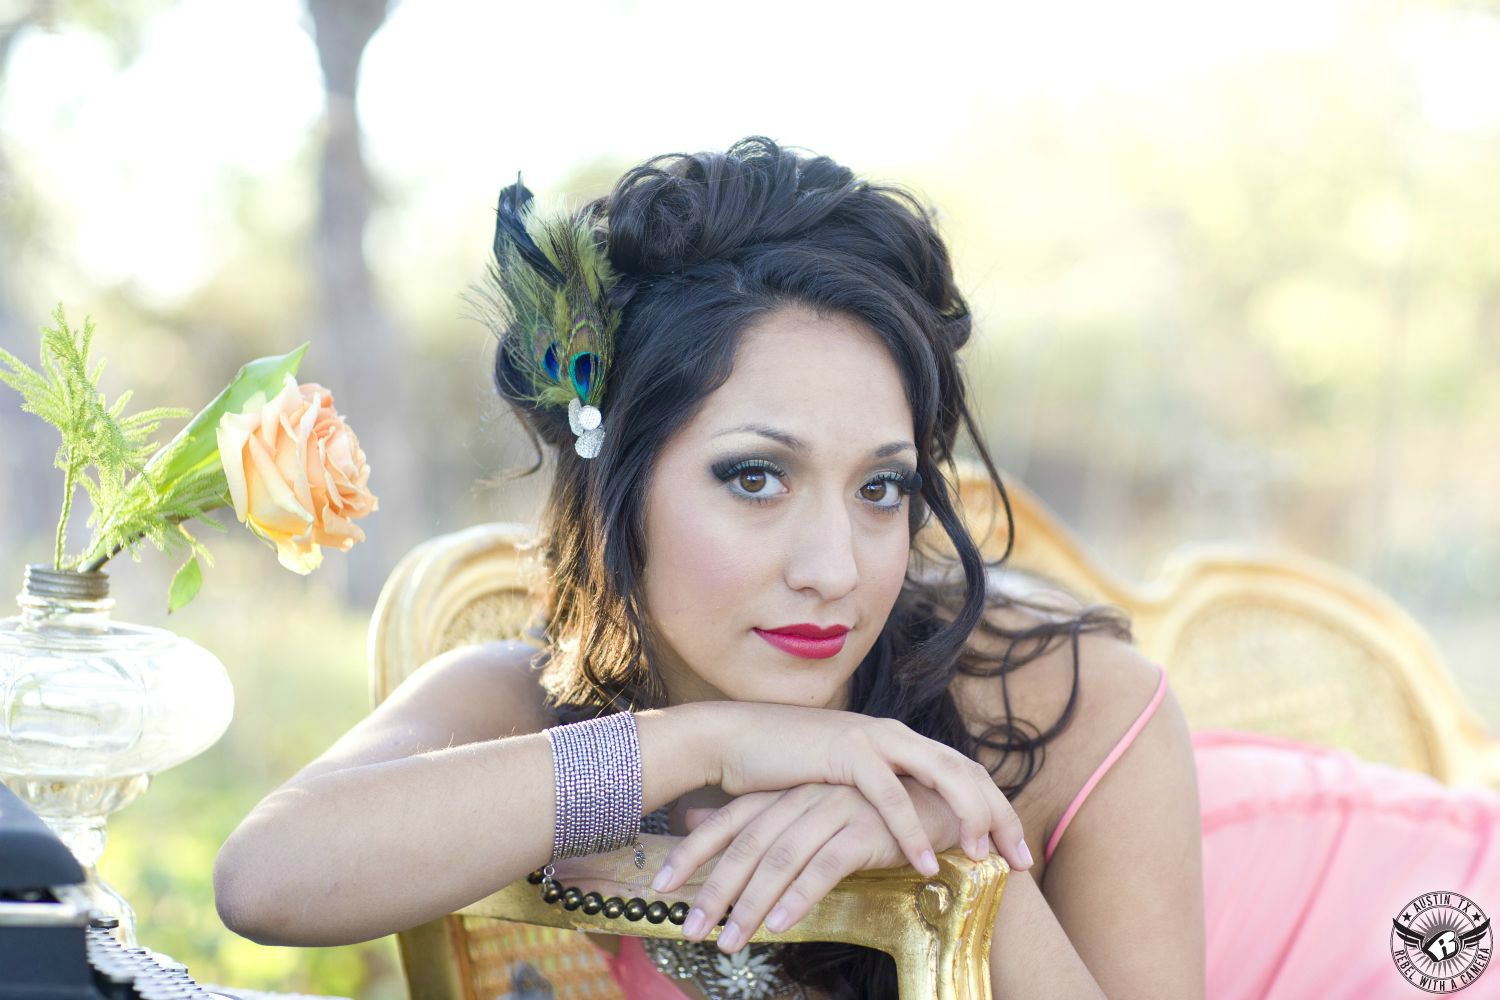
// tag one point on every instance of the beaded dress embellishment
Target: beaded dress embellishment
(754, 972)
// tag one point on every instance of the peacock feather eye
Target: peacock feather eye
(583, 373)
(550, 361)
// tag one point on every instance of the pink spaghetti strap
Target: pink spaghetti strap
(1114, 755)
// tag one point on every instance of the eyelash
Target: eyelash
(726, 472)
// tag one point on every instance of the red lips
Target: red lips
(810, 642)
(807, 631)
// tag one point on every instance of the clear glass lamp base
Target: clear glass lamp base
(77, 811)
(91, 708)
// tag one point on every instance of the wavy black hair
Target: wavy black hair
(704, 245)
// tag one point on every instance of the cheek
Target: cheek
(885, 570)
(703, 566)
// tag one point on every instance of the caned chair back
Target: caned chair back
(1268, 642)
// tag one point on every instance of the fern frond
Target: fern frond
(153, 515)
(190, 498)
(65, 393)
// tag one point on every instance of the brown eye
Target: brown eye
(895, 487)
(752, 479)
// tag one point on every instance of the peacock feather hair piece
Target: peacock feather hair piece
(546, 290)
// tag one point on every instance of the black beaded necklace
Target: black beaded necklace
(754, 972)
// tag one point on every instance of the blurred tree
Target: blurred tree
(376, 384)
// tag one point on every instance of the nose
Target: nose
(822, 556)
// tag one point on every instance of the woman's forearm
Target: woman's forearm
(365, 851)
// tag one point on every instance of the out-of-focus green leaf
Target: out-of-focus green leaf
(185, 584)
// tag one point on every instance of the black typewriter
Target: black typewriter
(53, 946)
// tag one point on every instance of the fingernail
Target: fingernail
(929, 864)
(1025, 853)
(777, 920)
(695, 924)
(729, 937)
(662, 879)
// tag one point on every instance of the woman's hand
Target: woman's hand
(788, 848)
(774, 747)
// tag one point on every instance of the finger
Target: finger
(942, 769)
(695, 816)
(839, 857)
(713, 833)
(758, 843)
(879, 784)
(783, 862)
(1007, 829)
(969, 790)
(1005, 825)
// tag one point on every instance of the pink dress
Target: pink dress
(1311, 858)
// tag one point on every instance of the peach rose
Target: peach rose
(296, 473)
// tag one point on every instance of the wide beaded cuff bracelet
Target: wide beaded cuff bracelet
(596, 765)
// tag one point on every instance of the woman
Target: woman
(746, 366)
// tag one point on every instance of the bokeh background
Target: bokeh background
(1235, 270)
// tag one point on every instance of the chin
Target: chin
(795, 692)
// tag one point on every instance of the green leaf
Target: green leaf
(185, 584)
(198, 443)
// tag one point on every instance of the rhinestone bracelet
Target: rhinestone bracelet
(596, 767)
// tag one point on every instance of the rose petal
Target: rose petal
(232, 435)
(270, 414)
(299, 560)
(271, 502)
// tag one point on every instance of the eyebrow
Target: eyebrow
(797, 444)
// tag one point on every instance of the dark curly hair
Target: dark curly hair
(705, 244)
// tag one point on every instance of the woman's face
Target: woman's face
(745, 532)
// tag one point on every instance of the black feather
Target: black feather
(509, 227)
